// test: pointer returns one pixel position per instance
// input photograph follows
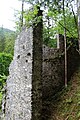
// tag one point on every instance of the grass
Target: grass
(67, 107)
(0, 100)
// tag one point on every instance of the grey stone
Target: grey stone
(19, 82)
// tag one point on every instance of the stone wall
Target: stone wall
(19, 82)
(53, 74)
(53, 68)
(72, 61)
(37, 71)
(36, 74)
(24, 84)
(53, 71)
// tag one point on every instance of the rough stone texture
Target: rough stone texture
(53, 71)
(35, 77)
(37, 71)
(49, 52)
(53, 74)
(53, 67)
(19, 82)
(73, 61)
(24, 84)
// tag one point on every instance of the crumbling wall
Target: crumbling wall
(73, 60)
(24, 84)
(19, 82)
(53, 71)
(36, 74)
(37, 71)
(53, 74)
(53, 67)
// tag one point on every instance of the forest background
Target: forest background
(59, 17)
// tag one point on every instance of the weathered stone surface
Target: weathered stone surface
(36, 75)
(53, 67)
(24, 84)
(37, 71)
(53, 74)
(53, 71)
(19, 82)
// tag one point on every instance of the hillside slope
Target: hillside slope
(67, 105)
(5, 30)
(7, 39)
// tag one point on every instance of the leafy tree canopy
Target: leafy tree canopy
(7, 38)
(53, 18)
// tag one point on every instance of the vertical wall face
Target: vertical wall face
(37, 72)
(19, 82)
(24, 84)
(34, 77)
(53, 72)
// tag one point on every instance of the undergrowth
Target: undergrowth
(67, 106)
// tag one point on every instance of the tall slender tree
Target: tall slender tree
(78, 11)
(22, 13)
(65, 44)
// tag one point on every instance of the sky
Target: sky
(7, 11)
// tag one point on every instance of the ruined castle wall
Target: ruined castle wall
(19, 82)
(53, 72)
(53, 68)
(37, 71)
(53, 76)
(24, 84)
(36, 74)
(73, 61)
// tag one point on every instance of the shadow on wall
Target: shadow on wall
(53, 72)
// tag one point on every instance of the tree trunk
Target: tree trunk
(78, 11)
(65, 45)
(22, 13)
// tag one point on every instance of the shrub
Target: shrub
(5, 60)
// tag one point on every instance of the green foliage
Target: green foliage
(2, 84)
(49, 38)
(58, 18)
(78, 114)
(5, 60)
(68, 107)
(69, 101)
(7, 38)
(70, 25)
(29, 17)
(1, 100)
(53, 17)
(2, 39)
(57, 27)
(9, 43)
(2, 80)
